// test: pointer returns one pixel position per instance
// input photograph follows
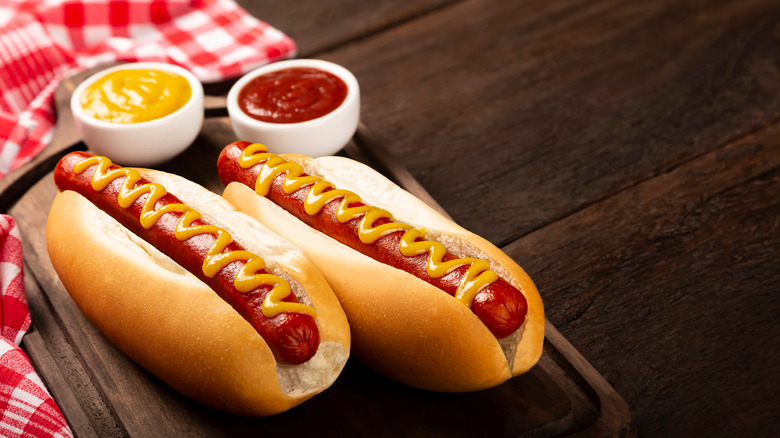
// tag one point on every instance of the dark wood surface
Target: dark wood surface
(624, 153)
(103, 393)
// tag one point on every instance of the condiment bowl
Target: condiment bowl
(144, 143)
(324, 135)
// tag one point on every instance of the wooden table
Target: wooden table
(624, 153)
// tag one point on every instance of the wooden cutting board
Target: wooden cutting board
(103, 393)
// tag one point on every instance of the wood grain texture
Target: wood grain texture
(533, 110)
(625, 109)
(670, 288)
(318, 26)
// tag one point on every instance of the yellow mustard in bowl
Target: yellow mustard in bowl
(135, 95)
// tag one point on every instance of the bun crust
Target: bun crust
(402, 326)
(175, 326)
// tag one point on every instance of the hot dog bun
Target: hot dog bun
(175, 326)
(401, 326)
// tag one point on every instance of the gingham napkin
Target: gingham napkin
(26, 408)
(44, 41)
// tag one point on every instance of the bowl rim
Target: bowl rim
(353, 93)
(196, 96)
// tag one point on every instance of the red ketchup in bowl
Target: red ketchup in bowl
(292, 95)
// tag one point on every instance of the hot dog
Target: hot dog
(430, 304)
(203, 296)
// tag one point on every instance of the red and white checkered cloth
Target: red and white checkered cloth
(26, 408)
(44, 41)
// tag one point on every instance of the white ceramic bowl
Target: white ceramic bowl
(144, 143)
(325, 135)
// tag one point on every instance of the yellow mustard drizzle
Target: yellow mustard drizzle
(477, 276)
(247, 278)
